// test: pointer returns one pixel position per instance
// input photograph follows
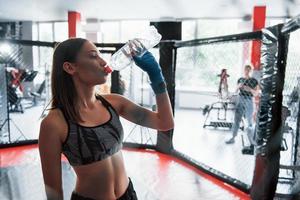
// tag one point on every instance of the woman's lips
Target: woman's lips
(107, 69)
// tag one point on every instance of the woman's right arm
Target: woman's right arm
(50, 146)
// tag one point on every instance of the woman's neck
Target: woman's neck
(85, 96)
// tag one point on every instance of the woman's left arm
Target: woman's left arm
(161, 119)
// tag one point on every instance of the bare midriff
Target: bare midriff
(102, 180)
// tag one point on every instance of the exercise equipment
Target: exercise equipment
(38, 93)
(15, 78)
(224, 104)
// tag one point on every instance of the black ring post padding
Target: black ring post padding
(167, 62)
(269, 134)
(115, 80)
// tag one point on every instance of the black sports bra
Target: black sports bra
(85, 145)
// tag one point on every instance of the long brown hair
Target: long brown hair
(63, 90)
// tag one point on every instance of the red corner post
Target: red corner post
(259, 19)
(73, 23)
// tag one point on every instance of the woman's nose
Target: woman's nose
(102, 62)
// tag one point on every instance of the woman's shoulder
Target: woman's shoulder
(116, 100)
(53, 116)
(53, 124)
(111, 96)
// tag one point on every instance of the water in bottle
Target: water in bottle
(138, 46)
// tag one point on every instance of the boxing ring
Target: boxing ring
(160, 166)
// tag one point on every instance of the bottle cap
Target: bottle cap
(108, 69)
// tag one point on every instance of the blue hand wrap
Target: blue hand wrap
(148, 64)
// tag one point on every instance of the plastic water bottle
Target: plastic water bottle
(138, 46)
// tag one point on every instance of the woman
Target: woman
(85, 126)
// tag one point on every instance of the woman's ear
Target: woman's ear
(69, 68)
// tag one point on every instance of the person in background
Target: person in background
(293, 100)
(247, 89)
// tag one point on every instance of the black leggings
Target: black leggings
(129, 194)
